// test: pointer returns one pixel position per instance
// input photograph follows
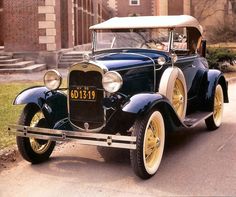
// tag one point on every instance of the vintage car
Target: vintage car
(146, 76)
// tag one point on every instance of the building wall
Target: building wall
(123, 7)
(1, 23)
(87, 13)
(21, 24)
(175, 8)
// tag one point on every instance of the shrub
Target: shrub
(217, 56)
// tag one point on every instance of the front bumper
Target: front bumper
(97, 139)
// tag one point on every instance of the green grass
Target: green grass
(9, 113)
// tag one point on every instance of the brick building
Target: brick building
(149, 7)
(1, 23)
(41, 28)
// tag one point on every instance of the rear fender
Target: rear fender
(52, 103)
(215, 77)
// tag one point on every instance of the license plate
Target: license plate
(83, 93)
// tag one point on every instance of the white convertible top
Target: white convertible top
(149, 22)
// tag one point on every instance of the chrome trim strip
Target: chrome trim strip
(117, 141)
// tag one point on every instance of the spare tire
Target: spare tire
(173, 86)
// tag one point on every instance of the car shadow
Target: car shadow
(110, 163)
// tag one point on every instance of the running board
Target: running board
(194, 119)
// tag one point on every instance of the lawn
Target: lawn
(8, 112)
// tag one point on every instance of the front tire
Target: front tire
(215, 120)
(150, 133)
(31, 149)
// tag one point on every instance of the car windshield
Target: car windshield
(157, 39)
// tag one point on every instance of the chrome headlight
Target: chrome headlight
(161, 60)
(112, 81)
(52, 79)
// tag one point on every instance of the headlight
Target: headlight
(112, 81)
(52, 79)
(161, 60)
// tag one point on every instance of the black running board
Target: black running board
(194, 119)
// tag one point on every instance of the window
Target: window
(134, 2)
(180, 39)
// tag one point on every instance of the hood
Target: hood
(129, 59)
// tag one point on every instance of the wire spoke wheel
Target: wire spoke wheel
(31, 149)
(152, 142)
(218, 105)
(173, 86)
(215, 120)
(178, 98)
(38, 146)
(150, 132)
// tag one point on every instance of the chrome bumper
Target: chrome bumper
(116, 141)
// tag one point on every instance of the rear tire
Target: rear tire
(215, 120)
(31, 149)
(150, 133)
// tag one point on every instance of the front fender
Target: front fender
(36, 95)
(142, 104)
(53, 104)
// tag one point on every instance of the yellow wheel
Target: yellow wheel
(38, 146)
(150, 132)
(173, 86)
(31, 149)
(178, 98)
(215, 120)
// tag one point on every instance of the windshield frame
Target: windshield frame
(94, 42)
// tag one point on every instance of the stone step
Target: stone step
(17, 65)
(64, 65)
(5, 57)
(76, 52)
(70, 60)
(28, 69)
(72, 57)
(11, 61)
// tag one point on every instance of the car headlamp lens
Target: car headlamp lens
(161, 60)
(52, 79)
(112, 81)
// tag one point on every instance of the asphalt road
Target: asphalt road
(195, 163)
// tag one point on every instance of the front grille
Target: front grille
(86, 108)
